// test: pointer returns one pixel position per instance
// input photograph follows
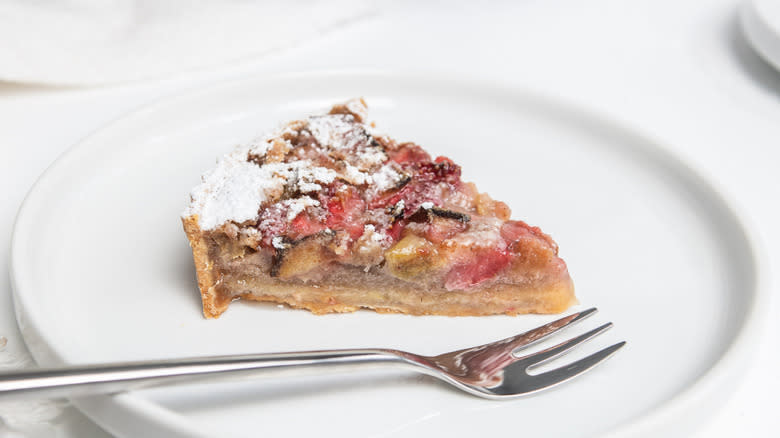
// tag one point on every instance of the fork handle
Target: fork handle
(111, 378)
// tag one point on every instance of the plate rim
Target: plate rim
(670, 415)
(762, 35)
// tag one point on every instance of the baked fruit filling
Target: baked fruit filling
(328, 215)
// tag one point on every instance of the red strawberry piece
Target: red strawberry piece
(440, 229)
(303, 225)
(345, 212)
(395, 230)
(422, 187)
(482, 265)
(514, 231)
(443, 170)
(425, 176)
(409, 153)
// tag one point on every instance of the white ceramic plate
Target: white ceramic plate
(760, 20)
(102, 271)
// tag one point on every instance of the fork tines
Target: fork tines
(535, 382)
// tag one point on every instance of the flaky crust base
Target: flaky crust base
(207, 277)
(551, 296)
(554, 298)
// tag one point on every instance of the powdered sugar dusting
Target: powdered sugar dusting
(343, 134)
(296, 206)
(307, 177)
(259, 146)
(373, 242)
(334, 131)
(386, 178)
(233, 191)
(355, 176)
(376, 236)
(371, 157)
(236, 189)
(243, 182)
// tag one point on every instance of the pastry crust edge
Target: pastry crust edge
(207, 278)
(562, 294)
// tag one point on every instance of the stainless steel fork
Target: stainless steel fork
(493, 370)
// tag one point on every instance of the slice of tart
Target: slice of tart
(329, 216)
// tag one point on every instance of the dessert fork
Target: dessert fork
(494, 370)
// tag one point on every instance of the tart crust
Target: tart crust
(238, 258)
(207, 275)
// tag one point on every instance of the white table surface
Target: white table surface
(680, 72)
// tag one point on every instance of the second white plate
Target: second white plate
(102, 271)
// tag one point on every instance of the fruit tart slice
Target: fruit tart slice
(329, 216)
